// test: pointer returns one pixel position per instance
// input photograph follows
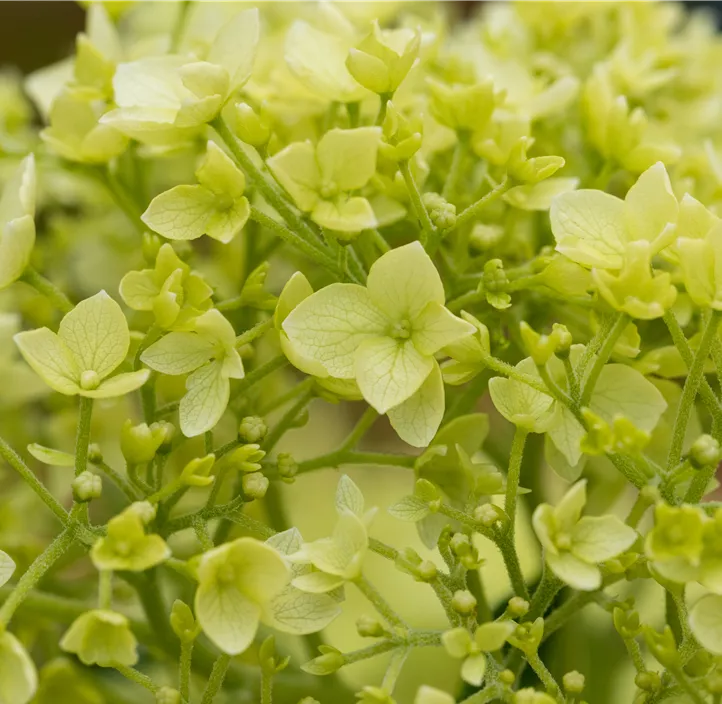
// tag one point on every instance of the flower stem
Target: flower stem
(379, 603)
(266, 686)
(546, 677)
(134, 675)
(428, 230)
(82, 439)
(364, 424)
(473, 210)
(602, 358)
(512, 478)
(105, 589)
(184, 669)
(47, 288)
(215, 681)
(689, 392)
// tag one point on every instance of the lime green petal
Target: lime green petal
(349, 215)
(101, 637)
(435, 327)
(219, 174)
(227, 617)
(295, 168)
(119, 385)
(178, 353)
(96, 333)
(182, 213)
(599, 538)
(569, 508)
(347, 158)
(403, 281)
(7, 568)
(234, 47)
(17, 239)
(650, 205)
(328, 327)
(225, 224)
(50, 358)
(492, 636)
(575, 572)
(473, 669)
(205, 401)
(389, 371)
(705, 620)
(296, 289)
(50, 456)
(18, 676)
(262, 572)
(417, 419)
(317, 582)
(138, 289)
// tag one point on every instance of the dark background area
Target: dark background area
(35, 34)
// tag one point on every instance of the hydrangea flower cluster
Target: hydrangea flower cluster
(476, 265)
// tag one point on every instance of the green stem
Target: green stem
(393, 671)
(118, 480)
(36, 571)
(13, 459)
(255, 332)
(473, 210)
(259, 373)
(683, 681)
(266, 686)
(572, 379)
(689, 392)
(641, 504)
(283, 425)
(82, 439)
(512, 478)
(548, 588)
(602, 357)
(336, 459)
(488, 694)
(379, 603)
(133, 675)
(511, 562)
(184, 669)
(362, 427)
(47, 288)
(455, 170)
(427, 227)
(215, 681)
(384, 102)
(105, 589)
(546, 677)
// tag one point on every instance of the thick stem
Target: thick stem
(266, 687)
(82, 439)
(184, 670)
(48, 289)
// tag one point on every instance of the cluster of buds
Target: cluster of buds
(401, 136)
(622, 436)
(465, 551)
(139, 443)
(410, 562)
(441, 212)
(542, 347)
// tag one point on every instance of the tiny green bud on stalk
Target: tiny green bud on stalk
(247, 458)
(287, 466)
(255, 485)
(573, 682)
(463, 602)
(168, 695)
(95, 454)
(370, 627)
(649, 681)
(86, 487)
(250, 127)
(705, 451)
(517, 607)
(252, 429)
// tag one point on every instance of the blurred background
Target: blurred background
(35, 34)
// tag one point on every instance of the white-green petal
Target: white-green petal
(317, 582)
(178, 353)
(329, 326)
(17, 239)
(227, 617)
(575, 572)
(344, 214)
(650, 204)
(389, 371)
(435, 327)
(181, 213)
(50, 359)
(119, 385)
(347, 158)
(295, 168)
(705, 620)
(18, 676)
(7, 568)
(205, 401)
(473, 669)
(599, 538)
(417, 419)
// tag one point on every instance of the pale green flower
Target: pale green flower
(18, 677)
(173, 292)
(339, 558)
(320, 179)
(700, 260)
(385, 337)
(208, 352)
(487, 638)
(705, 620)
(101, 637)
(17, 224)
(237, 583)
(127, 547)
(574, 546)
(92, 341)
(215, 206)
(431, 695)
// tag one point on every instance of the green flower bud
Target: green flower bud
(196, 472)
(507, 677)
(573, 682)
(663, 646)
(287, 466)
(252, 429)
(485, 236)
(705, 451)
(247, 458)
(460, 544)
(326, 664)
(255, 485)
(150, 244)
(517, 607)
(526, 170)
(95, 454)
(527, 636)
(541, 348)
(250, 127)
(598, 438)
(169, 431)
(370, 627)
(86, 487)
(183, 622)
(489, 515)
(145, 510)
(139, 443)
(426, 571)
(463, 601)
(627, 438)
(425, 490)
(649, 681)
(627, 623)
(167, 695)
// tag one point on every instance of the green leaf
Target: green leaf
(18, 676)
(589, 228)
(96, 333)
(417, 419)
(50, 359)
(329, 326)
(390, 371)
(7, 568)
(410, 508)
(205, 401)
(178, 353)
(182, 213)
(403, 281)
(50, 456)
(705, 620)
(347, 158)
(596, 539)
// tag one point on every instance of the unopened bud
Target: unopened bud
(705, 451)
(95, 454)
(251, 128)
(507, 677)
(252, 429)
(649, 681)
(287, 467)
(460, 544)
(326, 664)
(247, 457)
(517, 607)
(255, 485)
(167, 695)
(573, 682)
(139, 443)
(86, 487)
(463, 601)
(370, 627)
(427, 571)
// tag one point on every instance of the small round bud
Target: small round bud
(250, 126)
(487, 514)
(573, 682)
(325, 664)
(369, 627)
(150, 245)
(564, 339)
(95, 454)
(167, 695)
(460, 544)
(89, 380)
(427, 571)
(287, 466)
(463, 601)
(144, 510)
(705, 451)
(255, 485)
(507, 677)
(139, 443)
(517, 606)
(649, 681)
(86, 487)
(252, 429)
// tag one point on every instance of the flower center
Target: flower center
(401, 330)
(328, 189)
(89, 380)
(226, 574)
(563, 541)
